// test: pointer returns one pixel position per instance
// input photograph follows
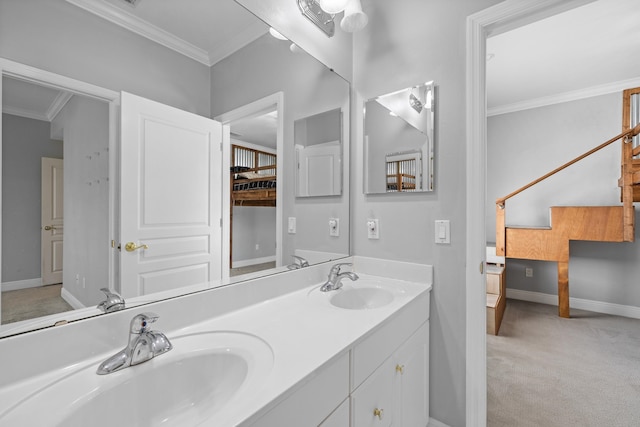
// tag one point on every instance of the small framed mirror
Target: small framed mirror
(318, 145)
(399, 141)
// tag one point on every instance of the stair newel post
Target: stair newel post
(563, 289)
(627, 190)
(500, 228)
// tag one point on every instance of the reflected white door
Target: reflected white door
(170, 198)
(319, 170)
(52, 220)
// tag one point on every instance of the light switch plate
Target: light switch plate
(334, 227)
(373, 229)
(291, 227)
(443, 231)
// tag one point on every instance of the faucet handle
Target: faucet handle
(113, 301)
(300, 261)
(140, 322)
(336, 267)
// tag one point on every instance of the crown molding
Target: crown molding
(143, 28)
(57, 105)
(560, 98)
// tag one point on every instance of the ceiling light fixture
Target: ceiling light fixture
(354, 18)
(333, 7)
(323, 12)
(415, 103)
(314, 13)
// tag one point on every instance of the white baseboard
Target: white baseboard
(435, 423)
(71, 300)
(579, 303)
(253, 261)
(21, 284)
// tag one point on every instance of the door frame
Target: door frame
(41, 77)
(277, 100)
(492, 21)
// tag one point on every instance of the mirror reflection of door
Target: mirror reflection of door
(42, 122)
(52, 220)
(253, 190)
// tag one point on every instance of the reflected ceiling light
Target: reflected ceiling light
(276, 34)
(323, 12)
(354, 18)
(333, 6)
(415, 103)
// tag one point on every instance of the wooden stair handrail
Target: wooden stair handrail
(626, 134)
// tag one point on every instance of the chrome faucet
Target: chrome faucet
(335, 277)
(114, 302)
(144, 344)
(298, 262)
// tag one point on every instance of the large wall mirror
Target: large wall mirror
(78, 130)
(399, 141)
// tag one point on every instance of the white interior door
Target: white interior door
(170, 198)
(319, 170)
(52, 220)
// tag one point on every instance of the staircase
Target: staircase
(589, 223)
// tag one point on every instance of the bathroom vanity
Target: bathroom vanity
(257, 353)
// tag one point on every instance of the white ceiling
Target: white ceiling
(590, 50)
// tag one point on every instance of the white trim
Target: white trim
(249, 110)
(58, 104)
(40, 77)
(28, 114)
(21, 284)
(253, 261)
(503, 16)
(578, 303)
(560, 98)
(71, 300)
(435, 423)
(143, 28)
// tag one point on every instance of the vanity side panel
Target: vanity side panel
(311, 403)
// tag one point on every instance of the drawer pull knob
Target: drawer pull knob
(378, 413)
(400, 369)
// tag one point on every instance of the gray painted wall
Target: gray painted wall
(525, 145)
(408, 43)
(24, 143)
(262, 68)
(85, 128)
(253, 225)
(56, 36)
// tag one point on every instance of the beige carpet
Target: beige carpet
(31, 303)
(543, 370)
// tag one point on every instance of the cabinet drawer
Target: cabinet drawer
(375, 394)
(372, 351)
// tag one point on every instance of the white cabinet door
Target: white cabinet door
(339, 417)
(170, 197)
(412, 380)
(372, 402)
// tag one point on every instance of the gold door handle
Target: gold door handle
(378, 413)
(130, 247)
(49, 227)
(400, 369)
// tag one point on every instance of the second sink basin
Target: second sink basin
(360, 298)
(197, 380)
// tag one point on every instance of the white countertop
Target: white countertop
(302, 328)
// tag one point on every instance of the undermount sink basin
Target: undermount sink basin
(360, 298)
(195, 381)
